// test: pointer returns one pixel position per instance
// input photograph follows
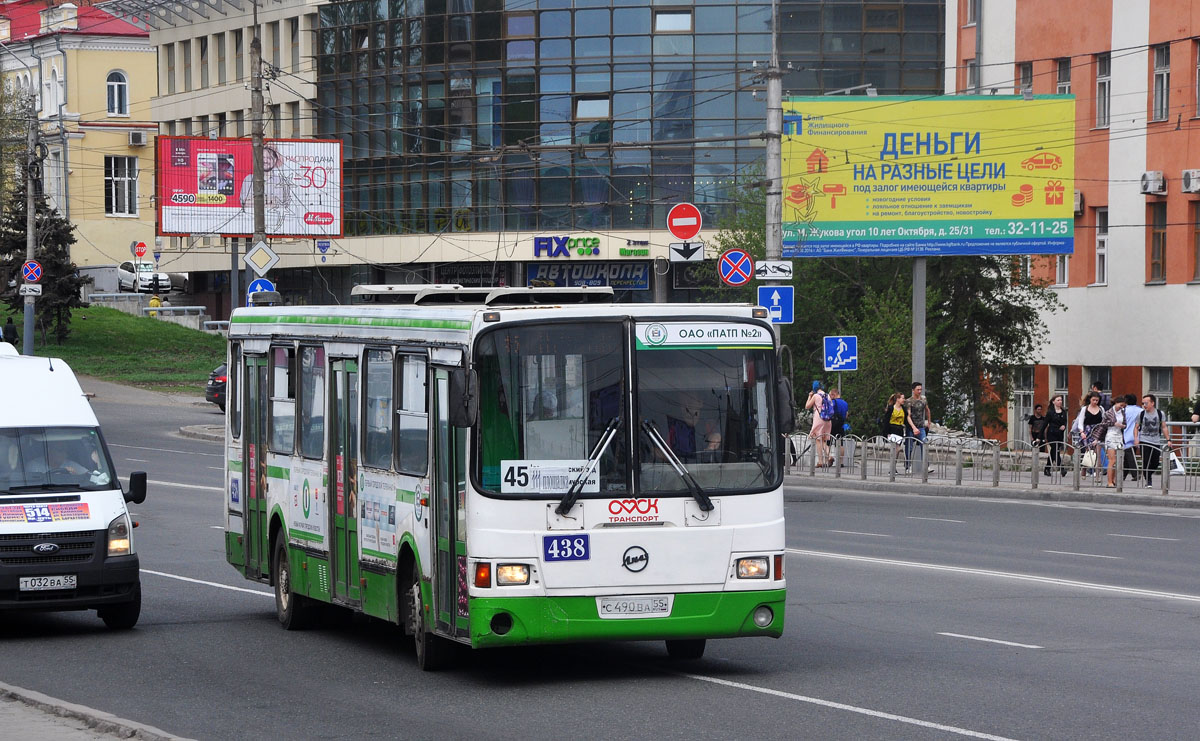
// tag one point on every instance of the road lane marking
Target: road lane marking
(185, 486)
(1050, 580)
(853, 532)
(165, 450)
(1085, 555)
(216, 468)
(209, 583)
(848, 708)
(1142, 537)
(1088, 508)
(934, 519)
(137, 460)
(989, 640)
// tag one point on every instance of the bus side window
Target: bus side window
(377, 415)
(233, 397)
(412, 419)
(312, 402)
(283, 400)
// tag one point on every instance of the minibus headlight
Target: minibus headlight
(754, 567)
(512, 573)
(120, 541)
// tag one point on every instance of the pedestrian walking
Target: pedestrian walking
(838, 423)
(1037, 432)
(1149, 436)
(1132, 412)
(1088, 444)
(1056, 433)
(895, 422)
(10, 333)
(1114, 437)
(918, 424)
(822, 407)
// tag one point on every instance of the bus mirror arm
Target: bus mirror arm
(464, 397)
(568, 500)
(698, 494)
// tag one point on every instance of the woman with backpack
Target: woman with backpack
(823, 409)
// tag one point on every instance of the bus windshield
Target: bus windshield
(53, 458)
(549, 393)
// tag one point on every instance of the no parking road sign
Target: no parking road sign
(735, 267)
(31, 271)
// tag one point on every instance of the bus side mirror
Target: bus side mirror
(786, 403)
(464, 397)
(137, 487)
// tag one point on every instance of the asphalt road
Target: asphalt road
(908, 618)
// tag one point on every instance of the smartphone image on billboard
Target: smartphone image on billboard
(206, 172)
(225, 174)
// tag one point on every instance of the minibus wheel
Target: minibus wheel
(123, 616)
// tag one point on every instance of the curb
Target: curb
(949, 490)
(213, 433)
(96, 720)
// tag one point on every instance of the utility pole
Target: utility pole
(256, 137)
(30, 217)
(774, 231)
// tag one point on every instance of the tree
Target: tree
(61, 282)
(983, 319)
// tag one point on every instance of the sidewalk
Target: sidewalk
(26, 714)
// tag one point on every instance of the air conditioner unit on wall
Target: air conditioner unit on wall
(137, 138)
(1154, 183)
(1078, 202)
(1190, 181)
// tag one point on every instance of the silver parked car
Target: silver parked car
(142, 277)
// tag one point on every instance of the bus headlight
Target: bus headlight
(119, 541)
(754, 567)
(511, 573)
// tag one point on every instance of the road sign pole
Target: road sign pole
(918, 320)
(30, 220)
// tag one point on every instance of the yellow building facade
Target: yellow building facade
(93, 76)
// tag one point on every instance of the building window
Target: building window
(1064, 77)
(294, 115)
(973, 75)
(185, 51)
(120, 186)
(1061, 266)
(221, 124)
(1062, 377)
(1198, 78)
(170, 69)
(1103, 88)
(673, 21)
(118, 94)
(203, 44)
(1162, 83)
(1161, 384)
(276, 124)
(1101, 247)
(219, 40)
(239, 123)
(592, 108)
(294, 46)
(273, 34)
(239, 63)
(1196, 242)
(972, 12)
(1025, 77)
(1158, 241)
(1025, 266)
(1099, 374)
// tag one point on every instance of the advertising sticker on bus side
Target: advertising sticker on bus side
(544, 477)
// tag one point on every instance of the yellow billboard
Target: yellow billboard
(954, 175)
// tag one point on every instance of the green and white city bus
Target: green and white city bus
(506, 466)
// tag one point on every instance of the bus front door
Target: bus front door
(449, 513)
(254, 466)
(343, 472)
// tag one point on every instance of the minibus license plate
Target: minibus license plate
(39, 583)
(641, 606)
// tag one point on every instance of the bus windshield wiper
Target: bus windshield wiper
(45, 487)
(705, 503)
(568, 500)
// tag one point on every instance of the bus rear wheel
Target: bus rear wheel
(686, 650)
(293, 610)
(430, 649)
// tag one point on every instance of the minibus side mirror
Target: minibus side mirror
(464, 397)
(786, 405)
(137, 487)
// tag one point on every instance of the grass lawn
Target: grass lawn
(136, 351)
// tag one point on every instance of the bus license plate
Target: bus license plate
(642, 606)
(566, 547)
(40, 583)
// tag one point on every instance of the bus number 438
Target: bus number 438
(565, 547)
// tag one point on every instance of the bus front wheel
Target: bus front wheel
(430, 649)
(686, 650)
(294, 610)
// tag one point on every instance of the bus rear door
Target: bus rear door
(449, 514)
(254, 462)
(343, 472)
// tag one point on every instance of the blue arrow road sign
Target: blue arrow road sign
(259, 284)
(780, 302)
(841, 353)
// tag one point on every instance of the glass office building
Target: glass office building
(470, 119)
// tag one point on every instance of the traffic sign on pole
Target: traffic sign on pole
(841, 353)
(31, 271)
(684, 221)
(258, 285)
(780, 302)
(735, 267)
(138, 249)
(686, 251)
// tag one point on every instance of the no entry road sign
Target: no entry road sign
(684, 221)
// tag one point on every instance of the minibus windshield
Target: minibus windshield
(53, 458)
